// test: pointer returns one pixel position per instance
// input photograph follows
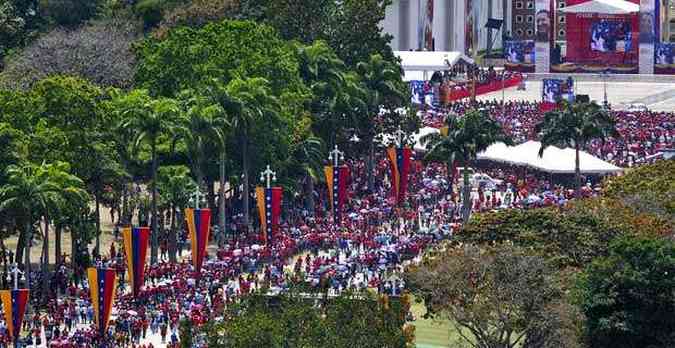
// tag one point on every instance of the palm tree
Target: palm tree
(442, 149)
(175, 187)
(308, 155)
(148, 119)
(575, 125)
(252, 103)
(31, 191)
(203, 124)
(467, 136)
(385, 90)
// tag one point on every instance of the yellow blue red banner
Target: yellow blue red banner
(102, 285)
(199, 226)
(14, 303)
(269, 211)
(336, 180)
(399, 160)
(136, 247)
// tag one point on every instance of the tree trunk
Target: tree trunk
(577, 170)
(370, 164)
(210, 195)
(125, 205)
(57, 243)
(466, 199)
(20, 246)
(310, 193)
(73, 248)
(221, 192)
(45, 261)
(245, 188)
(172, 236)
(98, 224)
(451, 178)
(155, 230)
(27, 251)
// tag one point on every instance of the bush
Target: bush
(70, 13)
(628, 297)
(150, 11)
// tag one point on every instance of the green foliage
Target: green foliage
(150, 12)
(497, 297)
(293, 321)
(185, 333)
(191, 57)
(70, 13)
(566, 237)
(628, 297)
(649, 188)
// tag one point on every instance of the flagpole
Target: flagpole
(336, 156)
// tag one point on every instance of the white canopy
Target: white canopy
(416, 64)
(387, 139)
(554, 159)
(612, 7)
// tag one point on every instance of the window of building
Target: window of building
(561, 19)
(561, 32)
(561, 4)
(519, 5)
(519, 19)
(530, 32)
(530, 19)
(519, 32)
(530, 5)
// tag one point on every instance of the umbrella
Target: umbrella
(130, 312)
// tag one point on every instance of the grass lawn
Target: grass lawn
(434, 333)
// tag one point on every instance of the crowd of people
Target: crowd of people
(643, 134)
(367, 248)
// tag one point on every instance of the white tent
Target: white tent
(387, 139)
(612, 7)
(419, 65)
(554, 159)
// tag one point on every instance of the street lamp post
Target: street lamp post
(267, 176)
(400, 136)
(16, 272)
(197, 196)
(336, 155)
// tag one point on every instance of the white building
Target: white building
(448, 24)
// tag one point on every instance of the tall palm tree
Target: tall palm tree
(575, 125)
(466, 137)
(149, 119)
(385, 90)
(309, 154)
(175, 187)
(442, 149)
(31, 191)
(202, 125)
(252, 103)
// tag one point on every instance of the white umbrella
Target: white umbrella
(613, 7)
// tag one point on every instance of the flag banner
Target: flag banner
(102, 285)
(336, 180)
(399, 159)
(199, 226)
(269, 211)
(14, 303)
(136, 248)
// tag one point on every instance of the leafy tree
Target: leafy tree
(254, 105)
(384, 91)
(467, 136)
(496, 297)
(628, 297)
(99, 52)
(69, 13)
(305, 21)
(647, 189)
(291, 320)
(149, 119)
(203, 123)
(30, 192)
(191, 57)
(175, 187)
(196, 13)
(575, 125)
